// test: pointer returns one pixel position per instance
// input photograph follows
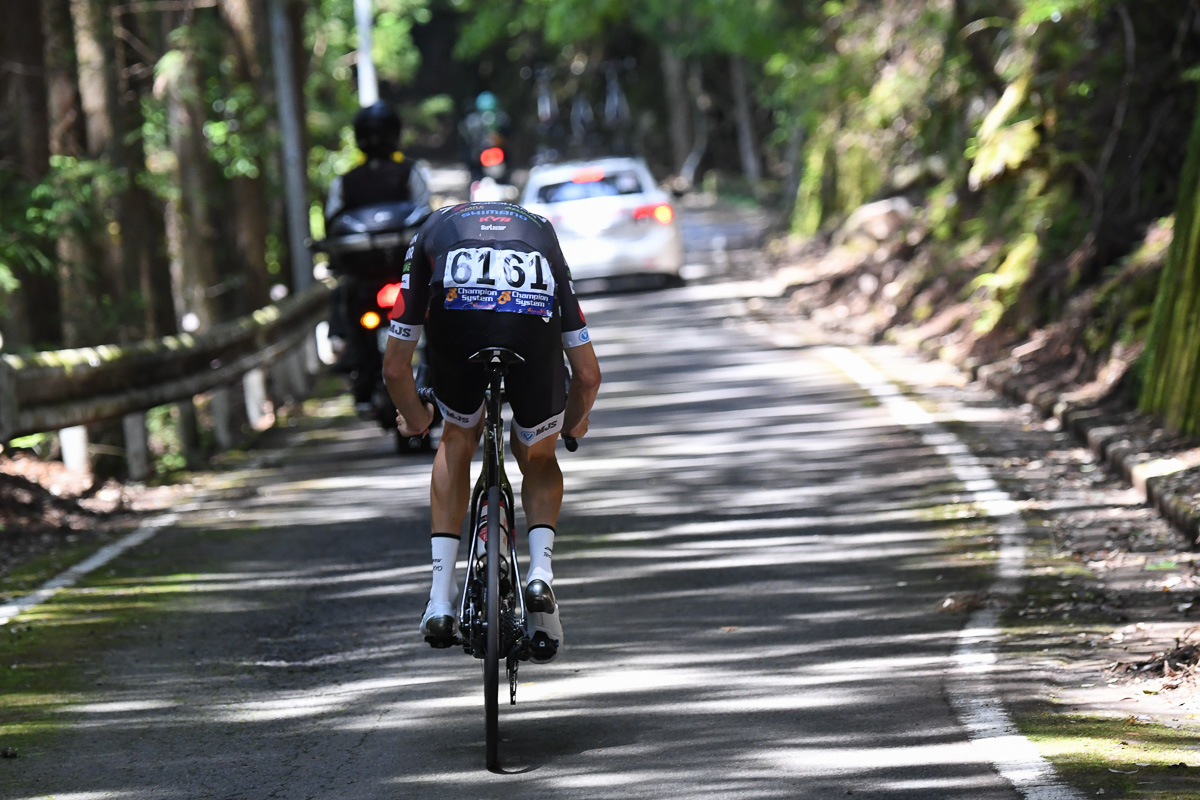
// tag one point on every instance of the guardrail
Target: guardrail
(59, 389)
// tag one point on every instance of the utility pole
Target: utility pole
(294, 179)
(368, 84)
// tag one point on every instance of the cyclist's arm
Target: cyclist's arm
(415, 417)
(585, 369)
(404, 332)
(581, 394)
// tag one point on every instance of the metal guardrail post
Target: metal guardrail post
(8, 401)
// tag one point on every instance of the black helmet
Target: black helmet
(377, 129)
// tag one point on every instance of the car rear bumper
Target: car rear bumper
(605, 258)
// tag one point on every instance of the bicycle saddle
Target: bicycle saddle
(497, 355)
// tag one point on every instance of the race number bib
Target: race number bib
(499, 280)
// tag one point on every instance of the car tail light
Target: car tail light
(491, 157)
(370, 320)
(661, 212)
(386, 297)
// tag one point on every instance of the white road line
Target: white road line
(971, 689)
(72, 575)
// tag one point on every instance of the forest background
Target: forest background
(1042, 157)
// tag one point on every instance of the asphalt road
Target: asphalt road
(752, 564)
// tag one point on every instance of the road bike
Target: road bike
(493, 623)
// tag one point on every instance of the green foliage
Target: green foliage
(1001, 288)
(1002, 144)
(162, 427)
(237, 137)
(73, 198)
(692, 27)
(331, 38)
(40, 443)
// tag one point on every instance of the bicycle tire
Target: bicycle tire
(491, 661)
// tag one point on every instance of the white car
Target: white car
(611, 218)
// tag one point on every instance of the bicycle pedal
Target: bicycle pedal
(442, 642)
(542, 649)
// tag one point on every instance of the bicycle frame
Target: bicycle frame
(492, 474)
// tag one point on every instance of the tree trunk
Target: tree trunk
(25, 153)
(1173, 344)
(66, 139)
(120, 237)
(143, 252)
(111, 124)
(679, 107)
(189, 233)
(793, 165)
(246, 19)
(747, 141)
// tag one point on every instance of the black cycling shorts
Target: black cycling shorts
(535, 389)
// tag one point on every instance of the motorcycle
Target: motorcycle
(366, 248)
(491, 170)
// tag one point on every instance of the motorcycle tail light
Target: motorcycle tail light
(370, 320)
(491, 157)
(386, 297)
(662, 212)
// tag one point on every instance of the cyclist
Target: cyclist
(492, 275)
(384, 176)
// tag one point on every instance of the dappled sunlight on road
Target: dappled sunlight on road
(751, 562)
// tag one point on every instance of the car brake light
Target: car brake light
(386, 297)
(491, 157)
(661, 213)
(588, 175)
(370, 320)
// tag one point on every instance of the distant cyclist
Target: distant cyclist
(492, 275)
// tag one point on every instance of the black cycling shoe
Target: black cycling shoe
(540, 597)
(545, 626)
(439, 625)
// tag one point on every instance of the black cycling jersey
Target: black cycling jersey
(491, 275)
(376, 181)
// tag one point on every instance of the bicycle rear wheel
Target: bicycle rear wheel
(491, 661)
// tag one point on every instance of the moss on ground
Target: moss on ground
(1117, 757)
(47, 654)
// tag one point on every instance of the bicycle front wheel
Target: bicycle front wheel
(491, 661)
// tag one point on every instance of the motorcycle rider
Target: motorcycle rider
(385, 175)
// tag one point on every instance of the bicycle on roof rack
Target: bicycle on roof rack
(494, 624)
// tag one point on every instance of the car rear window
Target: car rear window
(591, 183)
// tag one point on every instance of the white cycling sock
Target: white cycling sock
(541, 548)
(445, 553)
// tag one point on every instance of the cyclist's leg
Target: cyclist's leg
(459, 387)
(459, 391)
(542, 484)
(450, 484)
(449, 493)
(537, 395)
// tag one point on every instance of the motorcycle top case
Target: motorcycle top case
(371, 240)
